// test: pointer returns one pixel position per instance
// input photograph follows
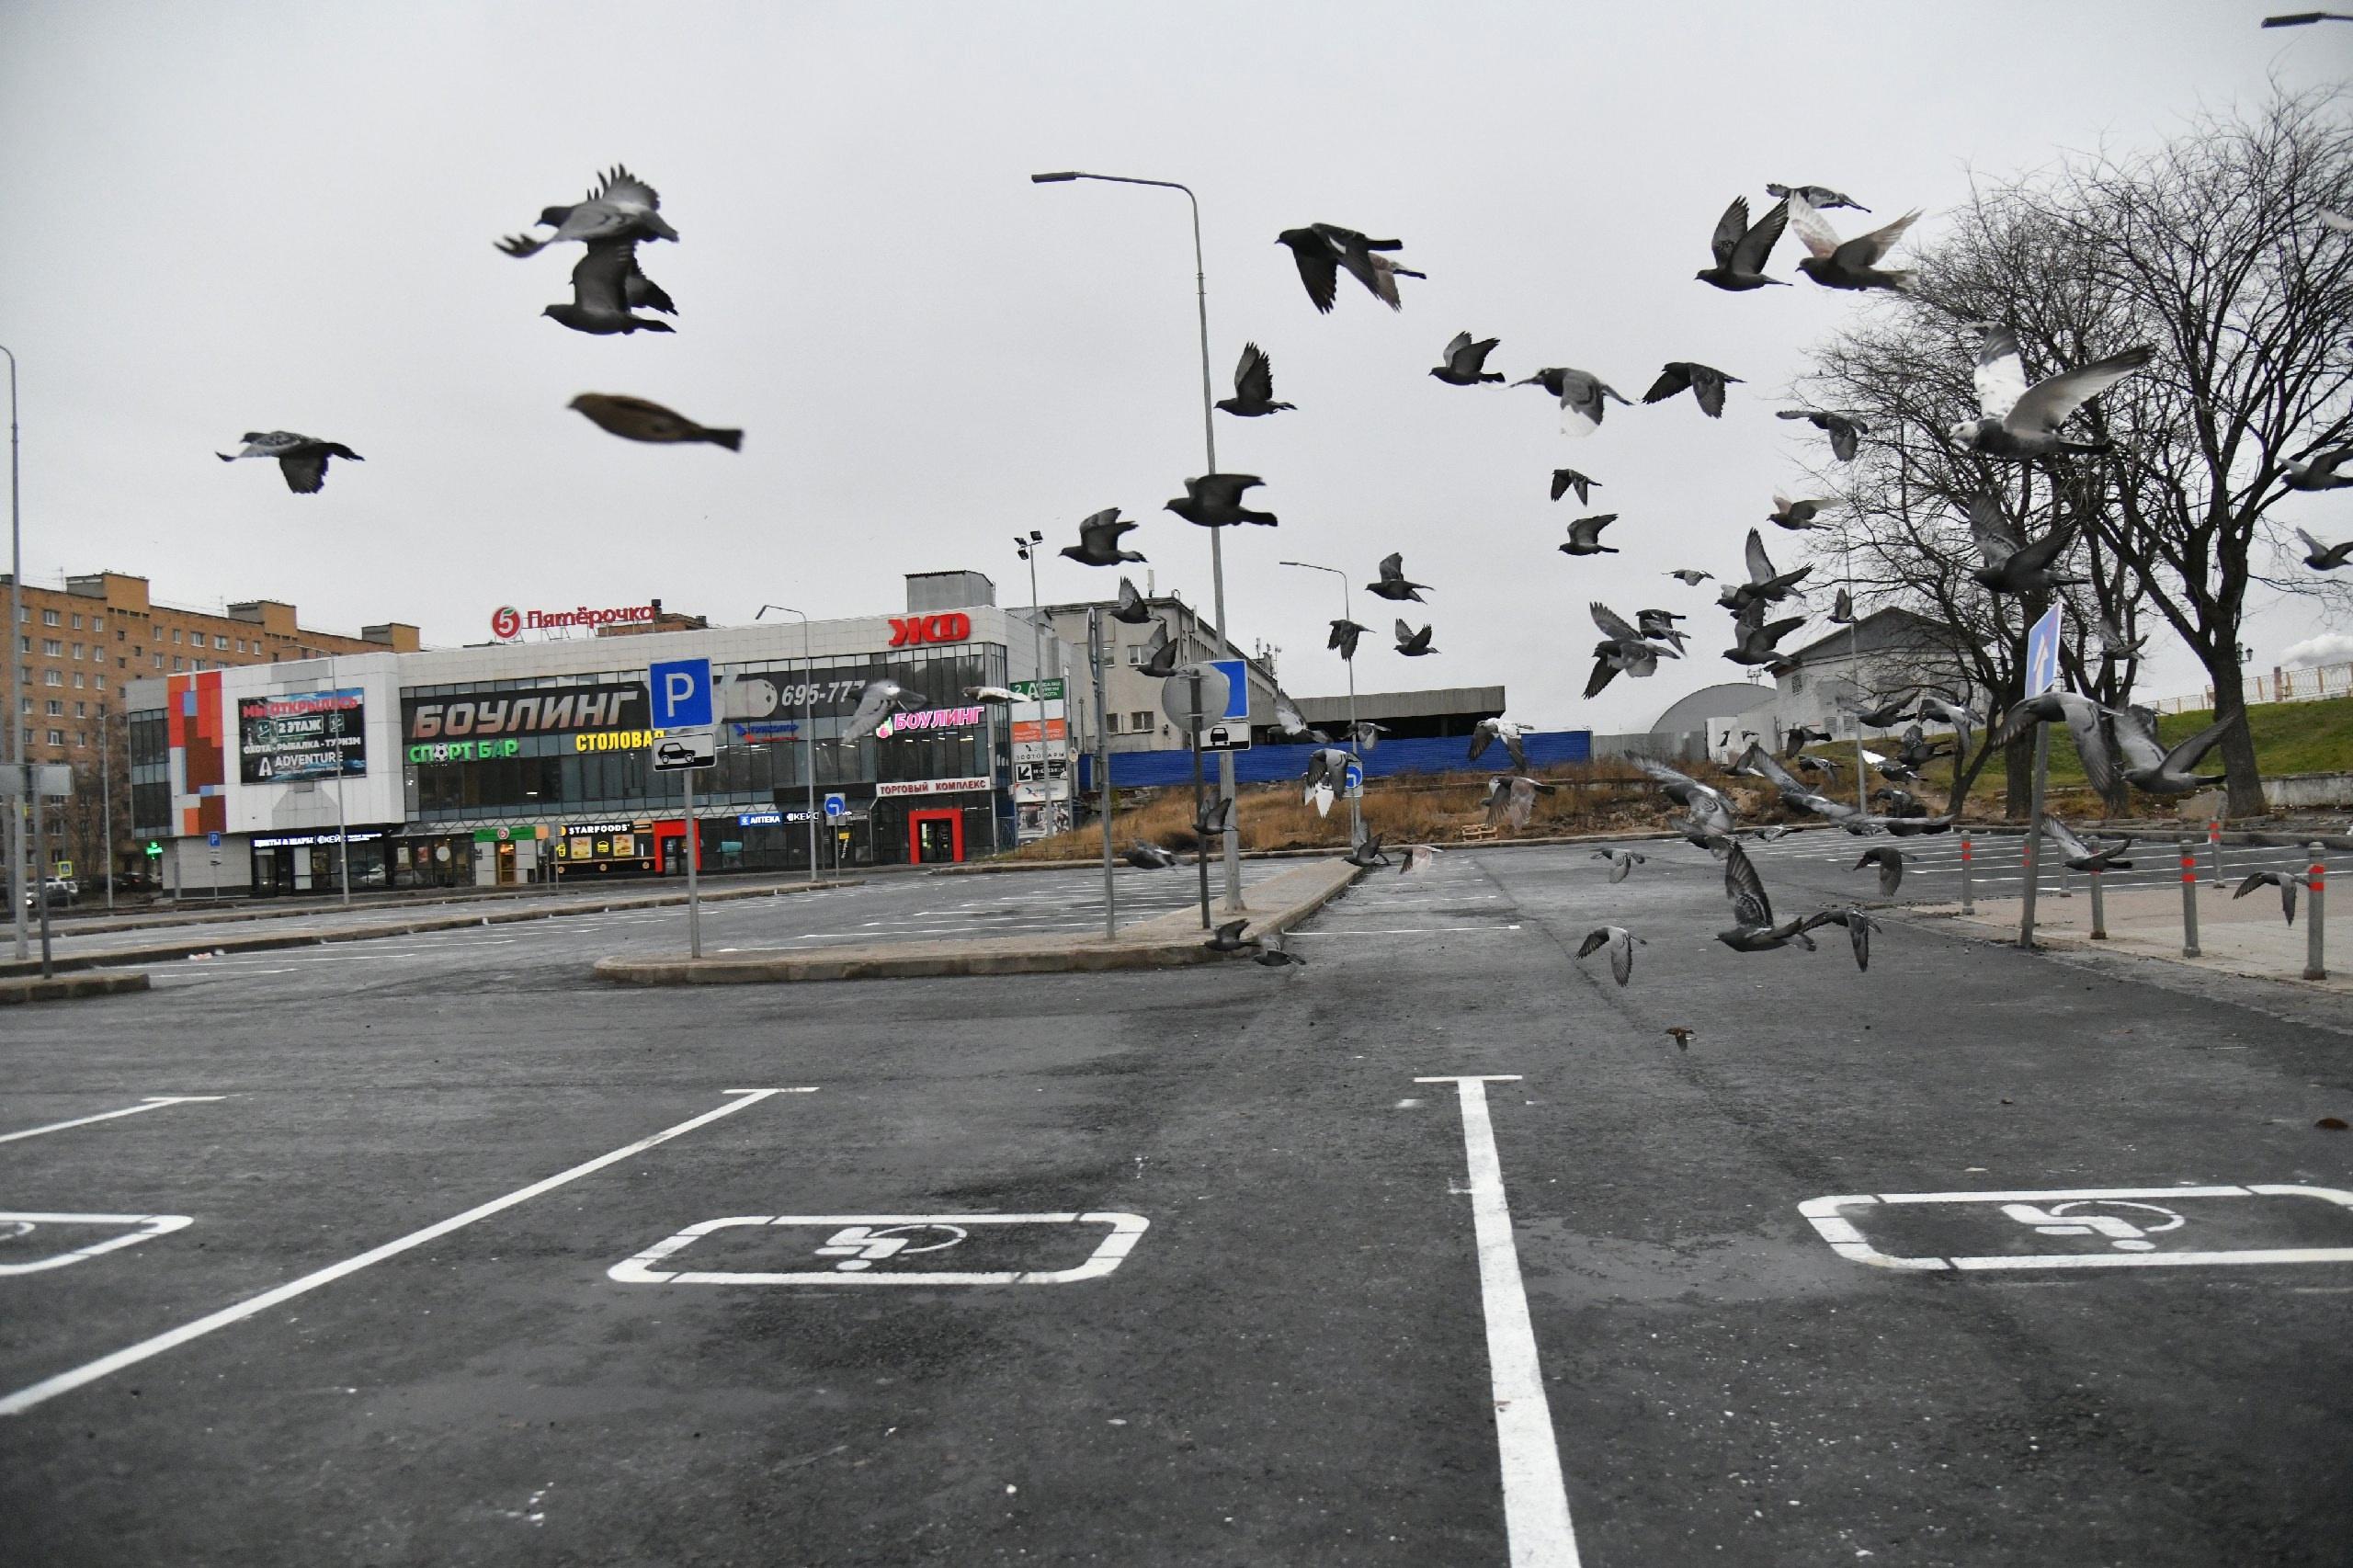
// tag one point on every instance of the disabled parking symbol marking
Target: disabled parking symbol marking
(16, 1227)
(2132, 1227)
(904, 1249)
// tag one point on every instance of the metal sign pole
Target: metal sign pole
(2099, 908)
(41, 886)
(106, 805)
(694, 905)
(2034, 834)
(1200, 840)
(1102, 766)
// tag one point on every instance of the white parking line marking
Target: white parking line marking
(153, 1102)
(1402, 931)
(146, 1226)
(24, 1399)
(1536, 1499)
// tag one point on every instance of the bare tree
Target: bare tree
(2211, 249)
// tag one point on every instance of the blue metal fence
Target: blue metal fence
(1266, 765)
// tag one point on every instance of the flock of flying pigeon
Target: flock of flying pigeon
(607, 291)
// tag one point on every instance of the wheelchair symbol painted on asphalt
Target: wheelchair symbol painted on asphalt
(893, 1249)
(2130, 1227)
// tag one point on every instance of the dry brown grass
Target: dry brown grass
(1605, 797)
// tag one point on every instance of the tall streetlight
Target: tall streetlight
(1356, 808)
(1217, 552)
(808, 729)
(1027, 547)
(17, 802)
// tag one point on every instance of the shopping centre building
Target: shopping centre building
(525, 760)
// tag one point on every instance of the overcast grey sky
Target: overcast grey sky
(232, 217)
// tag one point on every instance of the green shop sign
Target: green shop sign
(464, 751)
(1039, 690)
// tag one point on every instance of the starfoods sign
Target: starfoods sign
(507, 623)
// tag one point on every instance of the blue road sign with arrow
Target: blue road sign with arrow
(2043, 653)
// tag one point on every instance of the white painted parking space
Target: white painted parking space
(36, 1231)
(50, 1388)
(150, 1102)
(2132, 1227)
(1536, 1497)
(901, 1249)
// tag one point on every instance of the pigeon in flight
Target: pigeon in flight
(2325, 557)
(1890, 861)
(2020, 422)
(1689, 577)
(1966, 721)
(1797, 515)
(1585, 536)
(1757, 636)
(1622, 648)
(635, 419)
(1710, 812)
(1394, 583)
(1322, 250)
(1162, 655)
(2286, 881)
(606, 288)
(1327, 774)
(1764, 586)
(1227, 938)
(1581, 394)
(1418, 857)
(2120, 745)
(1146, 857)
(622, 207)
(1276, 955)
(1214, 501)
(1680, 1036)
(1753, 929)
(1659, 625)
(1704, 383)
(1365, 733)
(1844, 430)
(1887, 714)
(1466, 361)
(1413, 643)
(1621, 862)
(1859, 927)
(1216, 818)
(302, 459)
(2012, 567)
(1344, 637)
(2078, 856)
(1742, 248)
(1134, 607)
(2318, 471)
(878, 702)
(1621, 943)
(1567, 479)
(1491, 729)
(1254, 386)
(1842, 609)
(1800, 736)
(1816, 195)
(1291, 724)
(1098, 545)
(1513, 799)
(1366, 853)
(993, 694)
(1853, 264)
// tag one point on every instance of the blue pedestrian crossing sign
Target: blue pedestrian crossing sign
(836, 806)
(681, 690)
(2043, 653)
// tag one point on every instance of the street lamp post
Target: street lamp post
(1356, 808)
(1027, 550)
(17, 802)
(808, 730)
(1217, 552)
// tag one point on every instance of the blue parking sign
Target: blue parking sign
(681, 691)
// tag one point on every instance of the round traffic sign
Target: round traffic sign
(1177, 699)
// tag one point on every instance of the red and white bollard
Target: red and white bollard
(2214, 850)
(2188, 899)
(1968, 904)
(2316, 881)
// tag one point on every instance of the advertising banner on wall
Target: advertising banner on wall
(549, 710)
(312, 735)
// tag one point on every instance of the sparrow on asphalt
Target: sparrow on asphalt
(302, 459)
(635, 419)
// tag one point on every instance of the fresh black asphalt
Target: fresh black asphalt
(1291, 1366)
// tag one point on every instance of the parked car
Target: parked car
(56, 892)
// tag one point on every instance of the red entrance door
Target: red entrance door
(934, 836)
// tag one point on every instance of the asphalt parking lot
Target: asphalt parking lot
(1438, 1250)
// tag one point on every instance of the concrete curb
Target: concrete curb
(68, 987)
(162, 952)
(1165, 941)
